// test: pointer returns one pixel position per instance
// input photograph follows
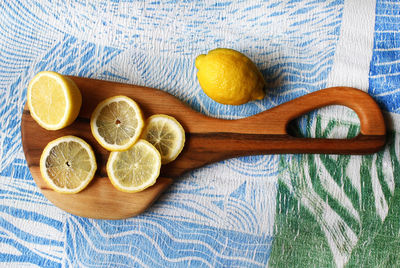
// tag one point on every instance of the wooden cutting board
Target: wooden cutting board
(207, 140)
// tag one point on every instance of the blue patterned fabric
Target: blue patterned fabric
(385, 64)
(227, 214)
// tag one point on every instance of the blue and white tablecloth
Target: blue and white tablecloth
(276, 210)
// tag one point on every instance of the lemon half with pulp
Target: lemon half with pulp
(54, 100)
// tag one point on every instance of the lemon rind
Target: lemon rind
(210, 81)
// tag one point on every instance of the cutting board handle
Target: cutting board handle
(212, 139)
(274, 121)
(370, 116)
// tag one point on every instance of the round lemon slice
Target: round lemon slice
(53, 100)
(68, 164)
(116, 123)
(166, 134)
(135, 169)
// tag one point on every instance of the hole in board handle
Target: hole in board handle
(330, 122)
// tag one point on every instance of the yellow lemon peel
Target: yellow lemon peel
(229, 77)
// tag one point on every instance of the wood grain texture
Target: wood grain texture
(207, 140)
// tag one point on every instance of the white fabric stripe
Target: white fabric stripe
(354, 50)
(353, 55)
(392, 120)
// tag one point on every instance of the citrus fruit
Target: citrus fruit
(54, 100)
(229, 77)
(117, 123)
(166, 134)
(67, 164)
(135, 169)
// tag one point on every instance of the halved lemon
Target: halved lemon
(53, 100)
(166, 134)
(68, 164)
(117, 123)
(135, 169)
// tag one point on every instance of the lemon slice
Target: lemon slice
(166, 134)
(68, 164)
(53, 100)
(135, 169)
(116, 123)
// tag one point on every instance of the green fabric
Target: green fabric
(330, 209)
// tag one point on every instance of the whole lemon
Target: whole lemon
(229, 77)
